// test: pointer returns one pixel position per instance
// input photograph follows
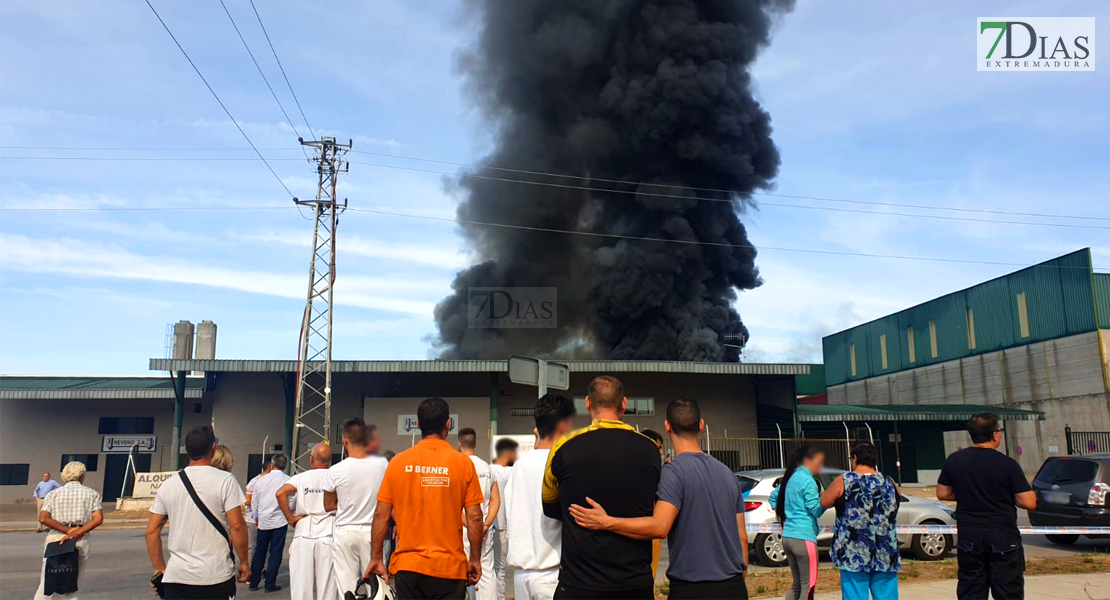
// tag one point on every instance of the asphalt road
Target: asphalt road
(118, 566)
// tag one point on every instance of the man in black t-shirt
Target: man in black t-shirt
(988, 488)
(614, 465)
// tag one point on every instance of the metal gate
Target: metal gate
(747, 454)
(1086, 442)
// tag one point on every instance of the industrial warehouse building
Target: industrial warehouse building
(46, 421)
(1031, 343)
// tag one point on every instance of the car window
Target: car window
(1066, 470)
(824, 480)
(746, 483)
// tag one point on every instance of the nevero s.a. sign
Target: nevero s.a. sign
(1035, 44)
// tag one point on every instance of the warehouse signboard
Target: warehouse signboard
(122, 444)
(407, 424)
(147, 484)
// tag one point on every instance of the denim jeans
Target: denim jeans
(272, 541)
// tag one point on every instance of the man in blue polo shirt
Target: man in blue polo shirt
(699, 509)
(44, 487)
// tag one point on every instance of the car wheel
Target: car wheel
(1063, 540)
(769, 551)
(931, 546)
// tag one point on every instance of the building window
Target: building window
(882, 348)
(852, 357)
(639, 407)
(1023, 315)
(14, 474)
(522, 412)
(909, 344)
(89, 460)
(198, 408)
(117, 425)
(580, 405)
(933, 339)
(970, 328)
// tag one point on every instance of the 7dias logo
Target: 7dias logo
(511, 308)
(1035, 44)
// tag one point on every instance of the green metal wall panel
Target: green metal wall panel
(1102, 299)
(995, 315)
(887, 326)
(858, 336)
(836, 359)
(1060, 296)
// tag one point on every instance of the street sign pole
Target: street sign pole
(541, 385)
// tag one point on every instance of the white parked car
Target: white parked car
(767, 547)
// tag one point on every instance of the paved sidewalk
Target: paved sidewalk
(1079, 586)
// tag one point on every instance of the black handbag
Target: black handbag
(60, 572)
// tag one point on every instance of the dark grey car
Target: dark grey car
(1072, 492)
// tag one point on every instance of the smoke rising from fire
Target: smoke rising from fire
(652, 92)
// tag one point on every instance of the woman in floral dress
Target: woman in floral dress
(865, 543)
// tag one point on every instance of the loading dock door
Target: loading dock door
(114, 470)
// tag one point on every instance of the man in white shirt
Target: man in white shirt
(535, 540)
(501, 466)
(310, 555)
(351, 490)
(272, 526)
(486, 588)
(201, 563)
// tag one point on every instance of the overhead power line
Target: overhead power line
(260, 72)
(625, 192)
(289, 85)
(729, 200)
(217, 97)
(543, 173)
(698, 242)
(554, 230)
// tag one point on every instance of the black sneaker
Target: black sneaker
(273, 589)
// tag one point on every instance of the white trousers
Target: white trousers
(487, 585)
(82, 556)
(500, 551)
(350, 553)
(310, 564)
(535, 585)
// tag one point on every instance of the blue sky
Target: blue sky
(875, 101)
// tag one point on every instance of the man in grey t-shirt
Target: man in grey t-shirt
(201, 564)
(699, 509)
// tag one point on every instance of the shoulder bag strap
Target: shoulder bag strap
(207, 513)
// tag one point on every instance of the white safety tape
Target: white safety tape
(776, 528)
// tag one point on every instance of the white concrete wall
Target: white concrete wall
(38, 432)
(1064, 378)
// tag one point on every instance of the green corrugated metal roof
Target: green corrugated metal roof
(45, 387)
(915, 412)
(480, 366)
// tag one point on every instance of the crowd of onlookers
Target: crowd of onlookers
(577, 516)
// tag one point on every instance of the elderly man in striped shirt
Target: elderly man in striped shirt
(71, 511)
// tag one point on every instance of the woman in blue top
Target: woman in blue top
(798, 505)
(865, 542)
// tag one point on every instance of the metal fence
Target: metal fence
(1087, 442)
(745, 454)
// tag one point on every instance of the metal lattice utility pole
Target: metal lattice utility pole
(312, 423)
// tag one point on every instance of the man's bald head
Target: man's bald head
(321, 456)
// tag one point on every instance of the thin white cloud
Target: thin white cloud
(83, 259)
(370, 247)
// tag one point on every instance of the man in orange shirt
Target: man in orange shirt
(426, 490)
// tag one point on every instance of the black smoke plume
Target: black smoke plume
(655, 93)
